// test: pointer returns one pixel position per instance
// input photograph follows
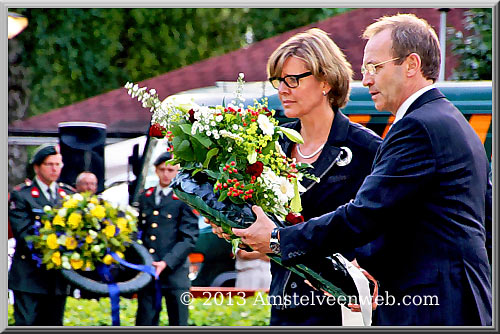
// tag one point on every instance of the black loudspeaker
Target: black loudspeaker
(82, 149)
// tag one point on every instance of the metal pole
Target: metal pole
(442, 41)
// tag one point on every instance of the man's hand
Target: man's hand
(258, 235)
(159, 266)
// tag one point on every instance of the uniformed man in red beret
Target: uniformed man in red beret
(39, 294)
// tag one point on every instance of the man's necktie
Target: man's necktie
(52, 196)
(160, 197)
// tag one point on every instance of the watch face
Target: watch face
(275, 246)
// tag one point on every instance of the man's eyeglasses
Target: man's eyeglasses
(372, 68)
(292, 81)
(50, 164)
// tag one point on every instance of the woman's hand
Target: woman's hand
(217, 230)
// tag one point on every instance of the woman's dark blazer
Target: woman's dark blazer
(337, 186)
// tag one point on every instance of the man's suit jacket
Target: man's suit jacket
(24, 275)
(426, 197)
(169, 232)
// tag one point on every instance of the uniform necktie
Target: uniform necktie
(160, 197)
(52, 197)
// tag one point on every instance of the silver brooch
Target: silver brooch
(344, 157)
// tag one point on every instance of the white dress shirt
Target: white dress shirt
(165, 190)
(45, 188)
(407, 103)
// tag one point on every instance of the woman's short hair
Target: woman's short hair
(322, 57)
(410, 34)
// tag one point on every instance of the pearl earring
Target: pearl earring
(324, 93)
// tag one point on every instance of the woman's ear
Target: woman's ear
(325, 87)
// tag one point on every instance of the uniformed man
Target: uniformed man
(39, 294)
(169, 231)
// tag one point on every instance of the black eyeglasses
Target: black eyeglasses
(292, 81)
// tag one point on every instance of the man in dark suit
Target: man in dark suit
(39, 294)
(86, 182)
(426, 194)
(169, 231)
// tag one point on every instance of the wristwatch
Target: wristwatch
(274, 243)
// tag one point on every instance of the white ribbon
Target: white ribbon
(363, 287)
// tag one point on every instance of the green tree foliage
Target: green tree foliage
(268, 22)
(473, 46)
(74, 53)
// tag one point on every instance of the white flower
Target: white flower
(66, 265)
(62, 212)
(216, 136)
(252, 157)
(265, 125)
(235, 127)
(208, 133)
(241, 75)
(62, 239)
(96, 248)
(47, 208)
(78, 197)
(93, 234)
(286, 189)
(219, 118)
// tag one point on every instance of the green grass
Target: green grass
(237, 311)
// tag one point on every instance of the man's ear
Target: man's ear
(413, 64)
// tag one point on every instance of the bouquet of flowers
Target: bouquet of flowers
(83, 233)
(231, 159)
(234, 148)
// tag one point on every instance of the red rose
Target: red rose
(156, 130)
(191, 116)
(255, 169)
(294, 218)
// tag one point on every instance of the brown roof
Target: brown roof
(125, 117)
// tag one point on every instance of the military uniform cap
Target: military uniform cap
(42, 152)
(162, 158)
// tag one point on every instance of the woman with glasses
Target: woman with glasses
(313, 80)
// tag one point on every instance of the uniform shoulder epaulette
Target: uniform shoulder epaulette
(150, 191)
(23, 185)
(66, 186)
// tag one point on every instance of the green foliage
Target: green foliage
(474, 46)
(76, 53)
(215, 311)
(71, 54)
(268, 22)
